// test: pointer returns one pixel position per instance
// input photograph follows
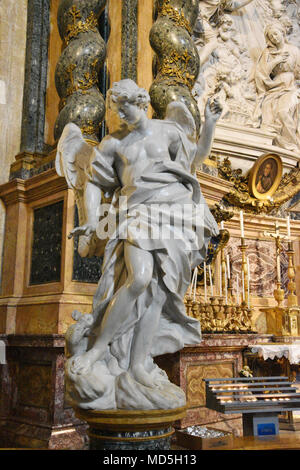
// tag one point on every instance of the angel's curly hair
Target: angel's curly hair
(128, 90)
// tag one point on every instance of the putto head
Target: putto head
(128, 91)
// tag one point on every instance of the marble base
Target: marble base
(33, 413)
(217, 356)
(131, 429)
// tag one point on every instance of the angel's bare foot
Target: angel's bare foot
(83, 363)
(141, 376)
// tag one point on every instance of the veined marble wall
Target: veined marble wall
(13, 22)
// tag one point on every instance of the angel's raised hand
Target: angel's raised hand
(87, 229)
(213, 110)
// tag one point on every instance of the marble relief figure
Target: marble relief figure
(138, 309)
(276, 73)
(252, 96)
(210, 12)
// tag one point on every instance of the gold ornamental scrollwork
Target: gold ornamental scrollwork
(79, 26)
(178, 17)
(240, 195)
(89, 128)
(89, 79)
(176, 67)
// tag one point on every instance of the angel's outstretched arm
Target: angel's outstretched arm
(213, 111)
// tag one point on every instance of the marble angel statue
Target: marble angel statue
(276, 73)
(138, 310)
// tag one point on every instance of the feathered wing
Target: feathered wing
(73, 161)
(179, 113)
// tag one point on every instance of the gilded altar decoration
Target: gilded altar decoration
(265, 176)
(220, 213)
(248, 191)
(77, 71)
(284, 320)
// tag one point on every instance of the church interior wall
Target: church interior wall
(44, 310)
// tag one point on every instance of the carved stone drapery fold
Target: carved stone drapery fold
(177, 58)
(77, 70)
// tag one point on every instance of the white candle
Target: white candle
(228, 266)
(205, 290)
(288, 226)
(278, 269)
(242, 224)
(210, 280)
(222, 225)
(195, 283)
(220, 290)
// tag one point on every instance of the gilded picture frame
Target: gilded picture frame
(265, 176)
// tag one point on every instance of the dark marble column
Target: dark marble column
(129, 39)
(35, 84)
(77, 71)
(177, 59)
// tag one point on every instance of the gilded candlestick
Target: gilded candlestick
(243, 249)
(292, 300)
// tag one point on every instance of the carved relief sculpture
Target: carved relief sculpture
(238, 86)
(138, 309)
(277, 69)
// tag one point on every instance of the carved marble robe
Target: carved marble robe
(109, 385)
(277, 108)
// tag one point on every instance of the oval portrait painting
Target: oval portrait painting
(265, 176)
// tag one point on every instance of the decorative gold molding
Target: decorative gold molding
(131, 420)
(178, 17)
(175, 66)
(79, 26)
(240, 196)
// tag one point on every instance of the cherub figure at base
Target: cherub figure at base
(138, 309)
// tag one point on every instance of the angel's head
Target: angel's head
(128, 100)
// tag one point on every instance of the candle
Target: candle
(222, 225)
(248, 266)
(220, 290)
(242, 224)
(228, 266)
(210, 280)
(195, 283)
(288, 227)
(278, 269)
(205, 290)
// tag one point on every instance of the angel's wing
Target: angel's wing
(179, 113)
(74, 156)
(73, 161)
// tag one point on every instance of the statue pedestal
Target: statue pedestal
(130, 429)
